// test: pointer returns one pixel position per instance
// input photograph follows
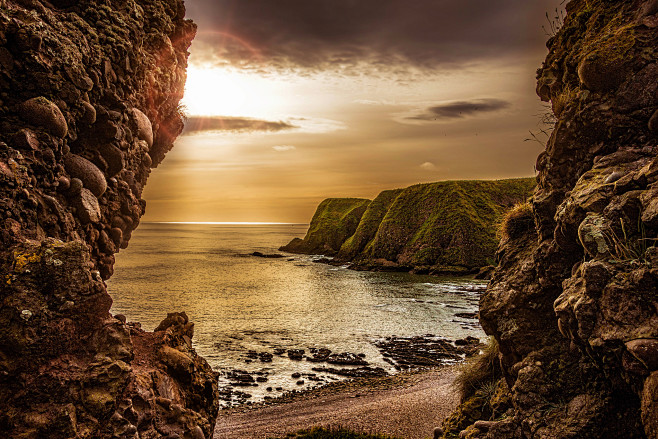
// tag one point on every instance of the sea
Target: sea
(241, 303)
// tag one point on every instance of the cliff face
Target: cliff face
(334, 221)
(574, 302)
(88, 105)
(444, 227)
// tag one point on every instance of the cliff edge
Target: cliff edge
(88, 105)
(574, 301)
(445, 227)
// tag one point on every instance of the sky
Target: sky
(289, 102)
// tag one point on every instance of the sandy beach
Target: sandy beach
(407, 405)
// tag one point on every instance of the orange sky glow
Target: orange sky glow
(275, 128)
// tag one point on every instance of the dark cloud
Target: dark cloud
(233, 124)
(460, 109)
(384, 34)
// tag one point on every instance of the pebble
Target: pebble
(113, 157)
(75, 186)
(87, 208)
(89, 114)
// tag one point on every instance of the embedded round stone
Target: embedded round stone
(144, 127)
(87, 208)
(43, 113)
(92, 178)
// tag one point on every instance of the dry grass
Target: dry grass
(518, 220)
(626, 249)
(561, 101)
(481, 373)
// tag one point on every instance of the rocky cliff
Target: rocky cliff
(574, 301)
(444, 227)
(89, 95)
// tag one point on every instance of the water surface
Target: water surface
(239, 302)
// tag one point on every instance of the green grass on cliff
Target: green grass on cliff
(369, 224)
(335, 220)
(450, 223)
(449, 226)
(334, 433)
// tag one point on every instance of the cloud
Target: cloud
(317, 124)
(281, 148)
(428, 166)
(196, 124)
(459, 109)
(374, 102)
(382, 34)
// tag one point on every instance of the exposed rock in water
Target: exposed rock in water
(448, 227)
(358, 372)
(267, 255)
(425, 351)
(573, 301)
(89, 105)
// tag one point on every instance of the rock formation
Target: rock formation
(89, 95)
(574, 301)
(444, 227)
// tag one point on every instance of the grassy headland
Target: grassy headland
(445, 227)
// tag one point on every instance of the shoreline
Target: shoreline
(482, 273)
(409, 404)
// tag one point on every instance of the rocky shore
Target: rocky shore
(406, 405)
(401, 353)
(89, 104)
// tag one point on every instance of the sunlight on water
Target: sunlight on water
(239, 302)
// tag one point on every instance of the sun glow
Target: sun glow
(212, 91)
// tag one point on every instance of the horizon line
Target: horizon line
(226, 223)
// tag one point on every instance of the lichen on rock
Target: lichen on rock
(89, 103)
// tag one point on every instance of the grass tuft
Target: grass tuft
(517, 221)
(481, 374)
